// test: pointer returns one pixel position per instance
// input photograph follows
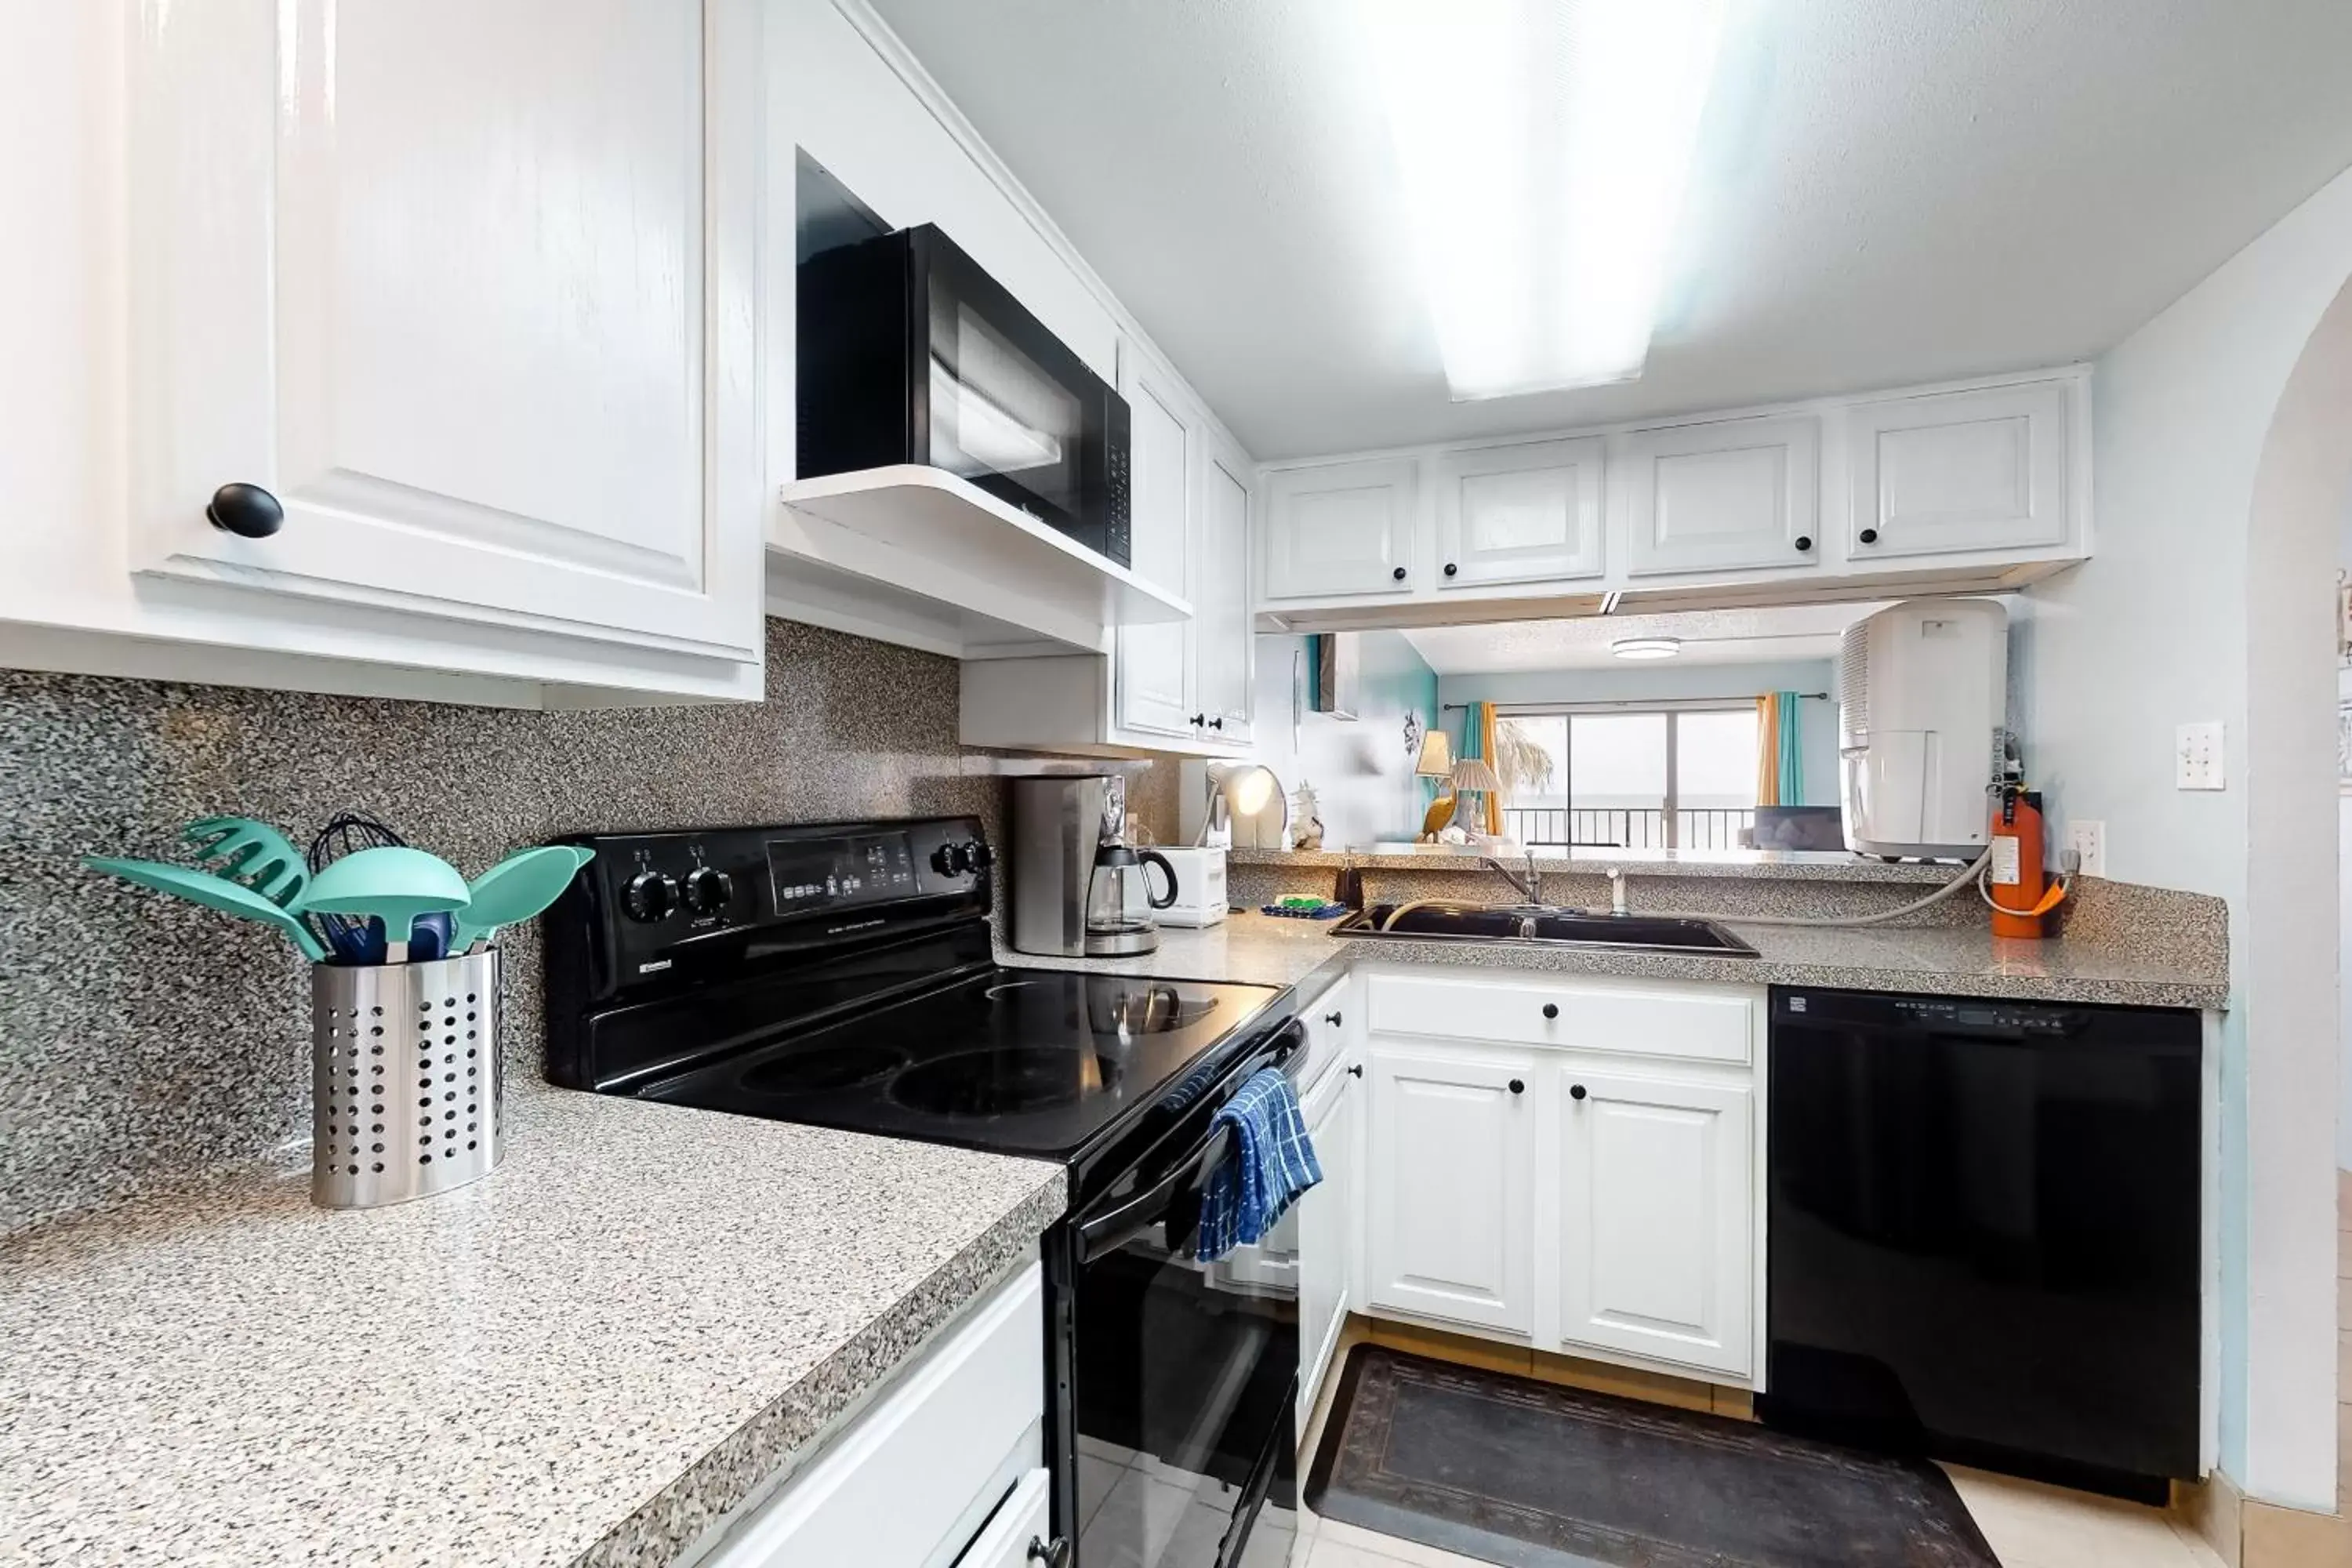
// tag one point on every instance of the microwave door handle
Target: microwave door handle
(1108, 1232)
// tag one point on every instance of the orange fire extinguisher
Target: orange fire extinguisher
(2016, 885)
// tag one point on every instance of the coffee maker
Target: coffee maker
(1078, 889)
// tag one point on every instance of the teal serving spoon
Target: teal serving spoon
(390, 883)
(514, 890)
(213, 893)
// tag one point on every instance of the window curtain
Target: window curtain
(1478, 741)
(1779, 751)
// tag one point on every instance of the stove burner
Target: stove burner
(996, 1082)
(823, 1068)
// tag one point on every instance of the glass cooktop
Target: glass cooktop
(1018, 1061)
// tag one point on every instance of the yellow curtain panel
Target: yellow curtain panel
(1768, 749)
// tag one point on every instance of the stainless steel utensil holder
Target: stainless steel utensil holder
(405, 1098)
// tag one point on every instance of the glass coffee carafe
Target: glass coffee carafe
(1119, 900)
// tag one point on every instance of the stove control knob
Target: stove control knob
(949, 860)
(650, 896)
(707, 889)
(978, 855)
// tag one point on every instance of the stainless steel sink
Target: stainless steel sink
(1443, 920)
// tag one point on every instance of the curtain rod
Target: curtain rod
(1652, 704)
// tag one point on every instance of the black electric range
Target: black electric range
(843, 975)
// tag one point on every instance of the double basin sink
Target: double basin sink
(1444, 921)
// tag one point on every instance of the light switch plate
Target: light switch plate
(2197, 756)
(2088, 840)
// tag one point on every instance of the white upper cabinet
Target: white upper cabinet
(1342, 528)
(1658, 1217)
(1724, 495)
(1522, 513)
(1959, 471)
(470, 292)
(1156, 663)
(1226, 639)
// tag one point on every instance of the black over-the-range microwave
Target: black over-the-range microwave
(909, 353)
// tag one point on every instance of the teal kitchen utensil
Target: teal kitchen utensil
(250, 852)
(213, 893)
(515, 890)
(391, 884)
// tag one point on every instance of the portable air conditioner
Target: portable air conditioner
(1923, 699)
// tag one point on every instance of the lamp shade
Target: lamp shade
(1474, 774)
(1437, 757)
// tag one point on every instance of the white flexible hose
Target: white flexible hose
(1974, 869)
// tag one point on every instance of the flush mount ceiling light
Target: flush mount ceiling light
(1646, 647)
(1543, 146)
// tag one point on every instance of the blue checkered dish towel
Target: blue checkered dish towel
(1267, 1163)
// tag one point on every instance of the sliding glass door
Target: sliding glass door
(1626, 778)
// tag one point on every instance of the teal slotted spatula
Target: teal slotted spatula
(252, 853)
(213, 892)
(391, 884)
(514, 890)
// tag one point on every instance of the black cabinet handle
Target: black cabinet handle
(1576, 1091)
(247, 510)
(1868, 536)
(1451, 569)
(1199, 720)
(1355, 1072)
(1518, 1088)
(1551, 1009)
(1804, 542)
(1216, 723)
(1332, 1019)
(1398, 574)
(1056, 1556)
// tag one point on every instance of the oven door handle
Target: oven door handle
(1109, 1231)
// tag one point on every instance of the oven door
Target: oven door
(1187, 1377)
(1006, 405)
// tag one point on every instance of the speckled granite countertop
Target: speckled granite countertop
(1941, 961)
(586, 1358)
(1783, 865)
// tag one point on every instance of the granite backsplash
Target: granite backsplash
(142, 1038)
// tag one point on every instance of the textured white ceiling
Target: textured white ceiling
(1892, 191)
(1766, 636)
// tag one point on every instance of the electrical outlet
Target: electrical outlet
(2197, 757)
(2088, 843)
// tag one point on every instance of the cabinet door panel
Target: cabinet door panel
(1968, 471)
(1521, 513)
(1223, 604)
(1326, 1234)
(1449, 1168)
(481, 318)
(1343, 528)
(1156, 662)
(1656, 1218)
(1719, 497)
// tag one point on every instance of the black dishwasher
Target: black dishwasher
(1983, 1238)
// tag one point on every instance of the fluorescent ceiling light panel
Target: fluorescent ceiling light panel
(1544, 147)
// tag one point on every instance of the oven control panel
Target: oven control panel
(650, 901)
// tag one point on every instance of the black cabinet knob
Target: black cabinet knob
(247, 510)
(1576, 1091)
(1451, 569)
(1216, 723)
(1332, 1019)
(1199, 720)
(1868, 536)
(1355, 1072)
(1551, 1009)
(1518, 1088)
(1804, 542)
(1398, 574)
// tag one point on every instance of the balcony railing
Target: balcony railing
(1628, 828)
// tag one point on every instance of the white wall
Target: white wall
(2155, 630)
(1670, 681)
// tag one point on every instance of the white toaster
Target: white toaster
(1200, 886)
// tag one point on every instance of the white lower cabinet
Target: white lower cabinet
(1449, 1218)
(945, 1468)
(1328, 1219)
(1656, 1218)
(1591, 1190)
